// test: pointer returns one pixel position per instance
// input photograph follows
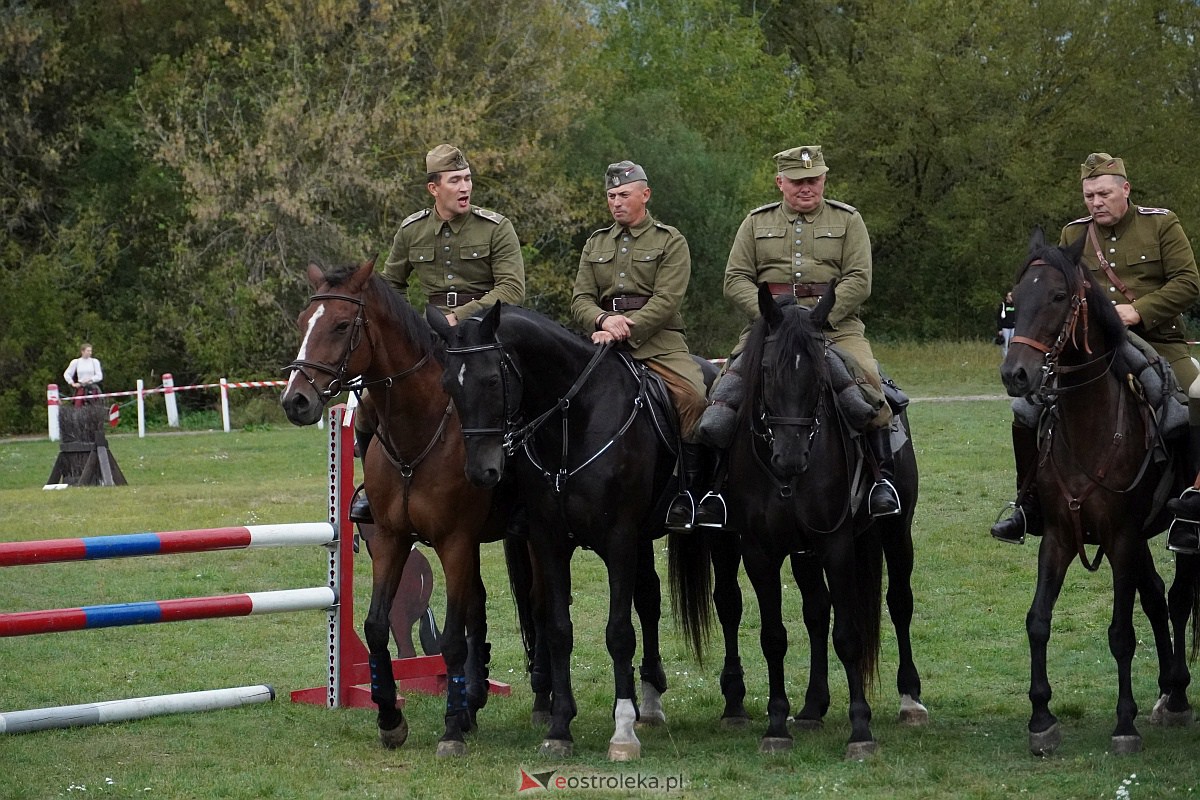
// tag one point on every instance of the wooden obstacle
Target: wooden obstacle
(83, 455)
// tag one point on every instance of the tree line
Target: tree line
(170, 168)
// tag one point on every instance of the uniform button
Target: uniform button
(1112, 249)
(797, 274)
(1112, 289)
(1143, 258)
(798, 241)
(624, 238)
(624, 249)
(474, 255)
(446, 248)
(449, 277)
(446, 234)
(1113, 238)
(622, 274)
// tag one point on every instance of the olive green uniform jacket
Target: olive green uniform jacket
(1151, 255)
(653, 260)
(775, 244)
(475, 252)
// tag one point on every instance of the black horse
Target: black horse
(1096, 477)
(796, 485)
(577, 426)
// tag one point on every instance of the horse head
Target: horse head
(482, 378)
(1063, 319)
(791, 382)
(332, 326)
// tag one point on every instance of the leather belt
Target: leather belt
(798, 289)
(454, 299)
(624, 302)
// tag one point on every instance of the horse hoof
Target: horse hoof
(624, 751)
(541, 718)
(395, 737)
(734, 722)
(1046, 742)
(1161, 715)
(1126, 745)
(912, 712)
(774, 744)
(651, 719)
(451, 749)
(806, 724)
(556, 748)
(861, 751)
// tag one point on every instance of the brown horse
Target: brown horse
(358, 333)
(1096, 473)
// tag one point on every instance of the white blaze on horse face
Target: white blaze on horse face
(462, 374)
(312, 322)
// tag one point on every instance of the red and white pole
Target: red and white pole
(168, 386)
(52, 411)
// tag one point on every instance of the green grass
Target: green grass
(972, 595)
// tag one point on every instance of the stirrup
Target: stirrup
(1007, 513)
(681, 527)
(724, 512)
(896, 495)
(1183, 531)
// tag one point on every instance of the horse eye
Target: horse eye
(1060, 296)
(342, 327)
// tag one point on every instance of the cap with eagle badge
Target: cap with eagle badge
(801, 162)
(621, 173)
(1098, 164)
(445, 158)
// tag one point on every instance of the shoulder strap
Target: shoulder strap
(1104, 265)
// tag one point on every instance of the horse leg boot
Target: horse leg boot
(681, 517)
(1184, 534)
(885, 500)
(360, 509)
(1026, 517)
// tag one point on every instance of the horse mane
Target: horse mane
(796, 335)
(413, 326)
(1066, 260)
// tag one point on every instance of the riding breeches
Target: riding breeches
(686, 390)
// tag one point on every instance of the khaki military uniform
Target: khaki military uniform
(775, 244)
(476, 252)
(1149, 252)
(650, 260)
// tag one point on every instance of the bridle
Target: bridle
(338, 382)
(509, 371)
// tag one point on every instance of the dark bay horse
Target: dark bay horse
(795, 485)
(575, 425)
(1096, 474)
(359, 333)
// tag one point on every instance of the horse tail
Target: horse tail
(1192, 564)
(521, 581)
(868, 600)
(690, 574)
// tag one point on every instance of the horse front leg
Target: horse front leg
(459, 554)
(479, 653)
(1122, 643)
(850, 645)
(619, 636)
(727, 597)
(557, 631)
(1044, 733)
(898, 555)
(647, 602)
(764, 575)
(815, 602)
(1174, 708)
(388, 557)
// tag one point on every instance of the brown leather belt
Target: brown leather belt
(624, 302)
(454, 299)
(798, 289)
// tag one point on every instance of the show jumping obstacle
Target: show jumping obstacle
(347, 656)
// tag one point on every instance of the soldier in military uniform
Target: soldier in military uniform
(800, 246)
(465, 258)
(629, 289)
(1144, 262)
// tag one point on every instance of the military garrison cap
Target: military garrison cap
(1098, 164)
(801, 162)
(445, 158)
(621, 173)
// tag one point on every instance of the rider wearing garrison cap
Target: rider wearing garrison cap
(1144, 263)
(465, 259)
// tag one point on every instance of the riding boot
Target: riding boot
(1184, 534)
(360, 508)
(885, 500)
(681, 517)
(1026, 517)
(712, 511)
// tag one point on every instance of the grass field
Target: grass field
(972, 595)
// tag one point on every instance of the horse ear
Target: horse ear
(767, 306)
(316, 276)
(821, 312)
(1037, 239)
(437, 321)
(490, 322)
(361, 276)
(1074, 251)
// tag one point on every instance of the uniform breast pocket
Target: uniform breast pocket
(420, 255)
(470, 252)
(1146, 263)
(828, 242)
(771, 244)
(646, 256)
